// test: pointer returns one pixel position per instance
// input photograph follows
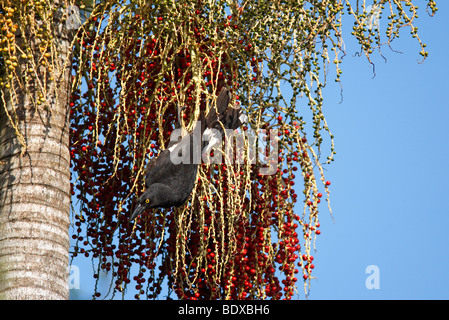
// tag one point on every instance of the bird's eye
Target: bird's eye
(147, 201)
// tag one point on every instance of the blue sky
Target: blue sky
(390, 179)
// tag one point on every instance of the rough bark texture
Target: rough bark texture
(35, 194)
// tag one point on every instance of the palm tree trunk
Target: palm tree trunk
(35, 189)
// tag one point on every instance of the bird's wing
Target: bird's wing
(181, 181)
(162, 167)
(176, 188)
(151, 164)
(157, 168)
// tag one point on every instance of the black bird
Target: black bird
(169, 184)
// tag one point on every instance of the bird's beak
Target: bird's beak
(137, 211)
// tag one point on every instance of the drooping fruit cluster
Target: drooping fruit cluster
(240, 234)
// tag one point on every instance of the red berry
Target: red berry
(328, 183)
